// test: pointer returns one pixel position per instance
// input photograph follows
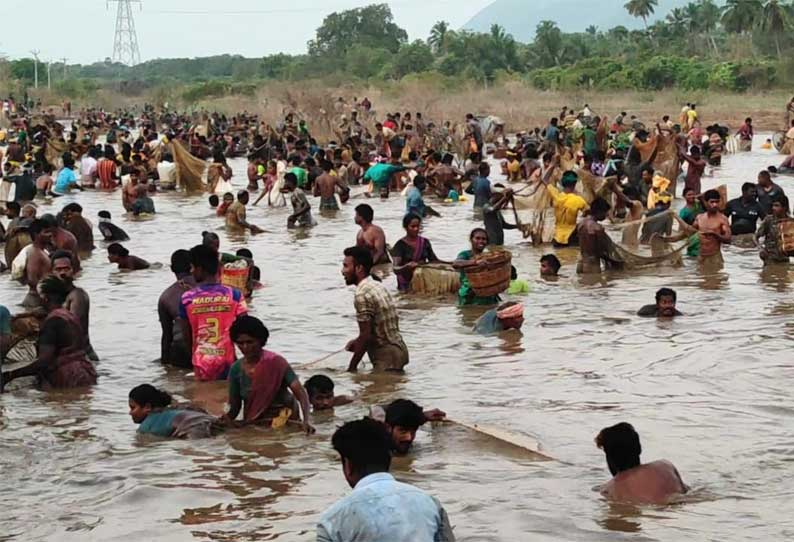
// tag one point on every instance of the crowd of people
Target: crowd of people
(595, 174)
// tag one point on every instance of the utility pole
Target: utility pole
(35, 53)
(49, 76)
(125, 43)
(64, 59)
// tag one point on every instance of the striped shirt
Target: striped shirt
(374, 304)
(106, 170)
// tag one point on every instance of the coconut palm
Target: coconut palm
(709, 16)
(740, 16)
(438, 36)
(774, 20)
(641, 9)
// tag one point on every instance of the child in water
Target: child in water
(151, 409)
(320, 389)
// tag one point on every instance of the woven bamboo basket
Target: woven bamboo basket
(491, 275)
(786, 228)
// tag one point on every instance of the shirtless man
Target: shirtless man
(77, 302)
(446, 176)
(79, 227)
(714, 230)
(37, 264)
(652, 483)
(371, 236)
(62, 239)
(253, 174)
(325, 187)
(594, 242)
(235, 214)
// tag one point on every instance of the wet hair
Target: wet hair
(13, 206)
(599, 205)
(666, 292)
(765, 175)
(484, 169)
(404, 413)
(61, 254)
(420, 182)
(747, 186)
(104, 214)
(146, 394)
(552, 260)
(478, 230)
(207, 236)
(49, 221)
(410, 217)
(180, 261)
(711, 195)
(694, 150)
(54, 288)
(116, 249)
(204, 257)
(361, 256)
(245, 253)
(365, 444)
(35, 228)
(318, 384)
(214, 201)
(686, 190)
(72, 208)
(251, 326)
(365, 212)
(782, 200)
(621, 444)
(291, 178)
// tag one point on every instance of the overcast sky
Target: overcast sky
(83, 30)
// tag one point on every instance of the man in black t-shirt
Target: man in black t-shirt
(767, 191)
(745, 212)
(664, 307)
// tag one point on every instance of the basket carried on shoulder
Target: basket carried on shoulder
(491, 275)
(786, 229)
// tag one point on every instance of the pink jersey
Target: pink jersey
(211, 310)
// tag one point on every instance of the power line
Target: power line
(278, 11)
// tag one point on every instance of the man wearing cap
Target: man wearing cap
(567, 206)
(509, 315)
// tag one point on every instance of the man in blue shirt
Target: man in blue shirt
(379, 509)
(480, 187)
(414, 203)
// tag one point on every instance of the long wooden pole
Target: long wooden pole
(518, 440)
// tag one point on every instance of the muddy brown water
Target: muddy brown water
(710, 391)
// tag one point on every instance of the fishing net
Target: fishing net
(533, 213)
(189, 169)
(435, 280)
(661, 252)
(54, 150)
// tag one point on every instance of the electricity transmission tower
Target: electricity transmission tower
(125, 45)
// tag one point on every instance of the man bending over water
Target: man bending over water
(652, 483)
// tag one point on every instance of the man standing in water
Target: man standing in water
(371, 236)
(325, 187)
(768, 191)
(77, 302)
(37, 263)
(594, 243)
(208, 312)
(235, 214)
(745, 212)
(714, 230)
(172, 344)
(651, 483)
(379, 509)
(379, 326)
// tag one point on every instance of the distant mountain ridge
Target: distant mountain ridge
(520, 17)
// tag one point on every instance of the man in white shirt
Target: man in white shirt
(379, 509)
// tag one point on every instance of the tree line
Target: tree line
(738, 45)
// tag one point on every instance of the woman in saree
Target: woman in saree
(61, 361)
(411, 251)
(262, 383)
(219, 174)
(152, 410)
(466, 295)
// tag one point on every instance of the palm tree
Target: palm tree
(591, 30)
(549, 42)
(740, 16)
(642, 9)
(774, 20)
(438, 36)
(709, 15)
(678, 20)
